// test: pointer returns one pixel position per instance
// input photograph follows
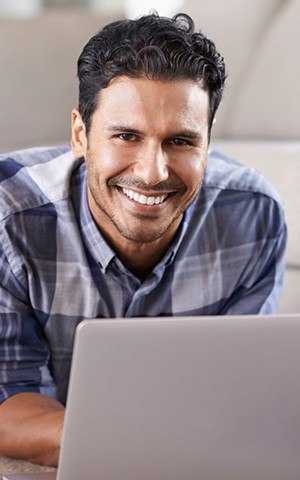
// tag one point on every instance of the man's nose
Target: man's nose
(152, 165)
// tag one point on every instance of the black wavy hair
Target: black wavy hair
(153, 47)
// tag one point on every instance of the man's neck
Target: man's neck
(141, 258)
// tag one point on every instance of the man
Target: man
(135, 220)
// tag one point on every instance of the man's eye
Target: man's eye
(181, 142)
(127, 137)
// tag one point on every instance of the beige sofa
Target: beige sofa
(258, 121)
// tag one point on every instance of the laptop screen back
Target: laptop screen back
(215, 398)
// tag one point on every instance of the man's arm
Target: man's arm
(31, 428)
(261, 291)
(30, 422)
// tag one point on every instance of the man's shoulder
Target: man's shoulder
(34, 177)
(31, 156)
(227, 174)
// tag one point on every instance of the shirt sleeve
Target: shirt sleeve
(260, 292)
(24, 355)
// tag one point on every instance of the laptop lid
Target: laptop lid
(215, 398)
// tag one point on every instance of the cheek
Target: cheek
(192, 173)
(106, 162)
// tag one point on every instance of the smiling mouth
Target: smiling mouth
(143, 199)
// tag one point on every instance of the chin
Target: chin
(141, 238)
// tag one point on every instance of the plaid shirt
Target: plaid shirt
(56, 269)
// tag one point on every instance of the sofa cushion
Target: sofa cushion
(38, 75)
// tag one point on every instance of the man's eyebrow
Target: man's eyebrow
(193, 134)
(119, 127)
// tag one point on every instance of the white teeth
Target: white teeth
(143, 199)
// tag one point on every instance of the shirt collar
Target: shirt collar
(96, 244)
(173, 248)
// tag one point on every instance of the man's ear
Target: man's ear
(79, 138)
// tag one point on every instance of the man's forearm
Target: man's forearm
(31, 428)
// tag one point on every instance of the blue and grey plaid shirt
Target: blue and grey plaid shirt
(56, 269)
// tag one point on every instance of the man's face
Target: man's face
(145, 154)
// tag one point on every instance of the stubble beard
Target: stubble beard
(146, 232)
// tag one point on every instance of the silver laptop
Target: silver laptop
(212, 398)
